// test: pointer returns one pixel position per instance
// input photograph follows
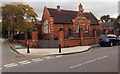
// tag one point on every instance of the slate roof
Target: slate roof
(66, 16)
(107, 24)
(92, 18)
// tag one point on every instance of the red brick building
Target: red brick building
(106, 27)
(65, 27)
(71, 21)
(69, 27)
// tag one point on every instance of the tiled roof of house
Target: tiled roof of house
(62, 16)
(91, 17)
(66, 16)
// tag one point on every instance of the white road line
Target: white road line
(88, 62)
(10, 65)
(37, 59)
(102, 57)
(24, 62)
(58, 56)
(48, 57)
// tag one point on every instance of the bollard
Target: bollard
(59, 48)
(28, 51)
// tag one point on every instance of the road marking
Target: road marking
(24, 62)
(102, 57)
(10, 65)
(0, 68)
(37, 59)
(58, 56)
(88, 62)
(48, 57)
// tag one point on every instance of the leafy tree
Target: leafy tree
(117, 23)
(105, 18)
(17, 17)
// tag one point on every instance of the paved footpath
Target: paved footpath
(50, 51)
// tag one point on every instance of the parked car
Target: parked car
(119, 37)
(109, 40)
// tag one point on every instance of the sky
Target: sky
(98, 8)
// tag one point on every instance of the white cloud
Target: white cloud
(114, 15)
(60, 1)
(98, 8)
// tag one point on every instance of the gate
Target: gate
(48, 43)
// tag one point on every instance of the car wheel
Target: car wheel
(111, 44)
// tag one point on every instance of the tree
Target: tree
(17, 17)
(105, 18)
(117, 23)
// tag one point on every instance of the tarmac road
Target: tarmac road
(100, 59)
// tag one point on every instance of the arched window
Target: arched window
(77, 28)
(69, 32)
(45, 27)
(86, 28)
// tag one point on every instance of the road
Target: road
(8, 55)
(100, 59)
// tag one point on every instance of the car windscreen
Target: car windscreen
(103, 36)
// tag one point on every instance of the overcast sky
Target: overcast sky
(97, 8)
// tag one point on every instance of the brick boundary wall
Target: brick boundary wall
(71, 42)
(75, 42)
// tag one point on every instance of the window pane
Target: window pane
(77, 28)
(45, 26)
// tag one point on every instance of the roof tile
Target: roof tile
(66, 16)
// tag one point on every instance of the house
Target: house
(71, 21)
(106, 27)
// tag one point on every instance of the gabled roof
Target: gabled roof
(66, 16)
(62, 16)
(91, 17)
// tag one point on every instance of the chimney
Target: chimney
(81, 8)
(58, 8)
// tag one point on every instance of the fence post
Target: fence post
(35, 37)
(51, 35)
(81, 36)
(95, 35)
(61, 37)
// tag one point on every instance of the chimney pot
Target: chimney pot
(58, 8)
(81, 8)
